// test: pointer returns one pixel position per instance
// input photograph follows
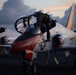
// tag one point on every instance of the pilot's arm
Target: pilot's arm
(39, 21)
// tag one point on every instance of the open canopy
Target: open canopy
(26, 24)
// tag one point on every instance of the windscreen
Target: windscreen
(32, 30)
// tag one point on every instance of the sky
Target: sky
(11, 10)
(55, 7)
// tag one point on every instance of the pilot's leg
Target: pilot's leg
(48, 33)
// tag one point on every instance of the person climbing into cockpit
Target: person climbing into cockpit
(44, 19)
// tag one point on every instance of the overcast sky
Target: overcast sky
(55, 7)
(12, 9)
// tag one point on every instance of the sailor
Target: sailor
(44, 19)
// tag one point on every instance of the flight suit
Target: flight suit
(43, 18)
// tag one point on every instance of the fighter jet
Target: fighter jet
(31, 43)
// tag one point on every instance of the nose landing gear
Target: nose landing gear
(29, 67)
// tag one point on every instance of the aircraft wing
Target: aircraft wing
(5, 46)
(70, 48)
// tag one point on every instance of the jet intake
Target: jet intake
(57, 41)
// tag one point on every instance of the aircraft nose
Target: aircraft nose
(19, 45)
